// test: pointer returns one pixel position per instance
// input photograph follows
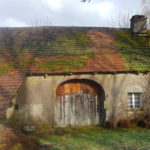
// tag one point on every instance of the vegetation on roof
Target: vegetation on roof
(68, 43)
(65, 51)
(65, 64)
(134, 50)
(74, 44)
(5, 68)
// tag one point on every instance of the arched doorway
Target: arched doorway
(79, 102)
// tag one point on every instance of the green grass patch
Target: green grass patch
(96, 138)
(135, 50)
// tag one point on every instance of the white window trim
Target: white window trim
(133, 100)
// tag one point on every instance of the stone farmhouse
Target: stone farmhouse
(74, 76)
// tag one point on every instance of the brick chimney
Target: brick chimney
(138, 24)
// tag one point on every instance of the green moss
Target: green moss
(134, 50)
(71, 50)
(5, 69)
(68, 43)
(63, 64)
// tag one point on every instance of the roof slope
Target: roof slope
(71, 49)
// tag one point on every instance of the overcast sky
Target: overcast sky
(65, 12)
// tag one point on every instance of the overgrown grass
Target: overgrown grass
(96, 138)
(135, 50)
(85, 138)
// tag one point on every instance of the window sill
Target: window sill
(135, 109)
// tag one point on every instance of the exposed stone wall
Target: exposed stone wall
(9, 85)
(36, 97)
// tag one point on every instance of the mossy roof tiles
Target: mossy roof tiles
(72, 49)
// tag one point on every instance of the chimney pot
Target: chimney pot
(138, 24)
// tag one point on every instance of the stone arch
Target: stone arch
(79, 102)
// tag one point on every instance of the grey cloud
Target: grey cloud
(146, 7)
(72, 12)
(22, 10)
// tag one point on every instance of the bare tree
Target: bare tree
(85, 0)
(122, 20)
(42, 21)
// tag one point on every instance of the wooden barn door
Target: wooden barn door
(77, 104)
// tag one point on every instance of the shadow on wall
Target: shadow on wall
(146, 96)
(119, 107)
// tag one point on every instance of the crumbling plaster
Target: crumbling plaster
(36, 97)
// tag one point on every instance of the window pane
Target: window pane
(137, 97)
(137, 106)
(130, 98)
(130, 106)
(130, 101)
(137, 94)
(137, 102)
(129, 94)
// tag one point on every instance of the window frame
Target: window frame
(133, 100)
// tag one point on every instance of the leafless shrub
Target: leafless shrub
(144, 123)
(122, 20)
(12, 137)
(123, 123)
(5, 134)
(42, 21)
(110, 124)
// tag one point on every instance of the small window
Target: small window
(134, 100)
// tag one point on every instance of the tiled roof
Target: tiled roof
(60, 50)
(9, 85)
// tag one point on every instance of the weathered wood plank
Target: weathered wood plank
(77, 104)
